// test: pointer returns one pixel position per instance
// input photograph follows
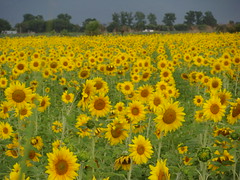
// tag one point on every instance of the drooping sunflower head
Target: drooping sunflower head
(122, 162)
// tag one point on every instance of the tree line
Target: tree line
(121, 22)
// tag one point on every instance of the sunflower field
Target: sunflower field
(111, 107)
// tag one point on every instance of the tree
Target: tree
(4, 25)
(209, 19)
(123, 18)
(152, 19)
(65, 17)
(28, 17)
(130, 18)
(85, 22)
(199, 17)
(139, 20)
(93, 28)
(190, 18)
(169, 19)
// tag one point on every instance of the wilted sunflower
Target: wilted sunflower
(5, 130)
(100, 106)
(122, 162)
(160, 171)
(136, 111)
(62, 164)
(17, 94)
(141, 149)
(32, 156)
(213, 109)
(67, 97)
(169, 116)
(187, 160)
(117, 131)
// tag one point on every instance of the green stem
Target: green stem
(149, 124)
(203, 166)
(130, 170)
(93, 150)
(160, 145)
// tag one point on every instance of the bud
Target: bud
(90, 124)
(204, 154)
(234, 136)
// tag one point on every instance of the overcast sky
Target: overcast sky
(102, 10)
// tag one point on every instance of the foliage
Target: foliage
(4, 25)
(93, 28)
(169, 19)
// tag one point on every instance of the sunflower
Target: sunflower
(16, 173)
(187, 160)
(122, 162)
(62, 81)
(87, 94)
(213, 109)
(234, 114)
(117, 131)
(32, 156)
(165, 74)
(127, 87)
(5, 130)
(57, 144)
(169, 116)
(44, 103)
(214, 84)
(3, 82)
(57, 126)
(146, 75)
(21, 67)
(182, 149)
(100, 85)
(199, 117)
(35, 65)
(84, 73)
(99, 105)
(136, 111)
(37, 142)
(17, 94)
(14, 150)
(23, 112)
(82, 125)
(156, 100)
(62, 164)
(161, 86)
(120, 108)
(198, 100)
(5, 108)
(224, 96)
(144, 93)
(141, 149)
(160, 171)
(67, 97)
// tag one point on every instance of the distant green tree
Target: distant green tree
(152, 19)
(190, 18)
(209, 19)
(65, 17)
(28, 17)
(130, 19)
(139, 20)
(199, 17)
(85, 22)
(93, 28)
(169, 19)
(123, 18)
(4, 25)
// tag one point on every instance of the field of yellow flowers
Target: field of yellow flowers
(120, 107)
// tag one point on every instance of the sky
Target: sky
(102, 10)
